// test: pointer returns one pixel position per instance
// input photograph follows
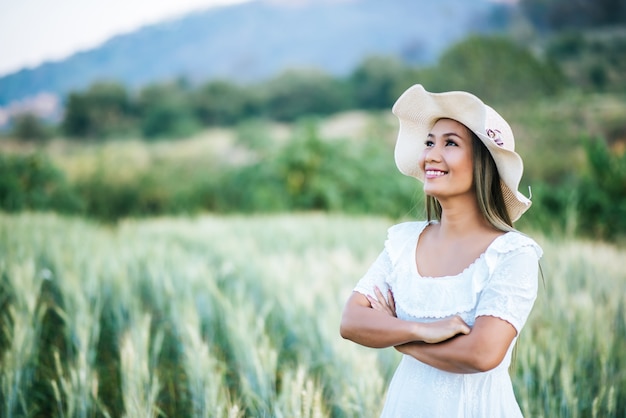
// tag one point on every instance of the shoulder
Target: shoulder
(513, 244)
(515, 241)
(402, 234)
(406, 230)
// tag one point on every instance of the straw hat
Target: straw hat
(419, 110)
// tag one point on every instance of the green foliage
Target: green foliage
(311, 173)
(554, 209)
(30, 127)
(496, 70)
(254, 134)
(593, 60)
(566, 45)
(378, 82)
(294, 94)
(104, 110)
(592, 204)
(166, 111)
(156, 192)
(262, 166)
(602, 192)
(221, 102)
(32, 182)
(567, 14)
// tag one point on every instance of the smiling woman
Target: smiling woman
(451, 293)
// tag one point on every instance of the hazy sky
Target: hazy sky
(33, 31)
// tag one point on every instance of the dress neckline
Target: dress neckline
(481, 257)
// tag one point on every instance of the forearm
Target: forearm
(454, 355)
(375, 329)
(372, 321)
(481, 350)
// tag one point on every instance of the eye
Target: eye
(429, 143)
(450, 142)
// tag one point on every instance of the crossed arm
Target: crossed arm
(448, 344)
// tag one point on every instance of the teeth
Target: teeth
(435, 173)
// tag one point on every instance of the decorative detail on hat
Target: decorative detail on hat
(494, 134)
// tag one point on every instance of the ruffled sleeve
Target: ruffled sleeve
(376, 276)
(400, 236)
(379, 273)
(511, 290)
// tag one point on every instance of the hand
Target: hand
(381, 304)
(442, 330)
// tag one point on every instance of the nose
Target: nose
(432, 154)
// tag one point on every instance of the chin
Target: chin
(431, 191)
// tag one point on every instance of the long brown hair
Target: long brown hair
(488, 188)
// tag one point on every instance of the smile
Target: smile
(435, 173)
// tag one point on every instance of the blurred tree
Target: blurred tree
(166, 111)
(296, 93)
(567, 14)
(593, 60)
(221, 102)
(104, 110)
(495, 69)
(30, 127)
(568, 44)
(378, 81)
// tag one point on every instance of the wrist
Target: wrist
(417, 331)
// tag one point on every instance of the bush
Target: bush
(32, 182)
(602, 205)
(159, 191)
(30, 127)
(592, 204)
(311, 173)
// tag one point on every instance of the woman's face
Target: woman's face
(447, 160)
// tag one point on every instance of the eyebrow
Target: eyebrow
(447, 134)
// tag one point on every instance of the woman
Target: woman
(451, 293)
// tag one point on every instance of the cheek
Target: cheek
(468, 173)
(465, 163)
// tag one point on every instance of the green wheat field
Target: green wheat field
(233, 316)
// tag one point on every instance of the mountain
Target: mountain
(256, 40)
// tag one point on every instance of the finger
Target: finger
(392, 301)
(383, 302)
(380, 297)
(379, 294)
(379, 303)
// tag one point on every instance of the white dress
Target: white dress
(502, 282)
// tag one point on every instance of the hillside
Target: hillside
(255, 40)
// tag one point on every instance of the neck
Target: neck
(462, 218)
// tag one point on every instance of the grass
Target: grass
(232, 316)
